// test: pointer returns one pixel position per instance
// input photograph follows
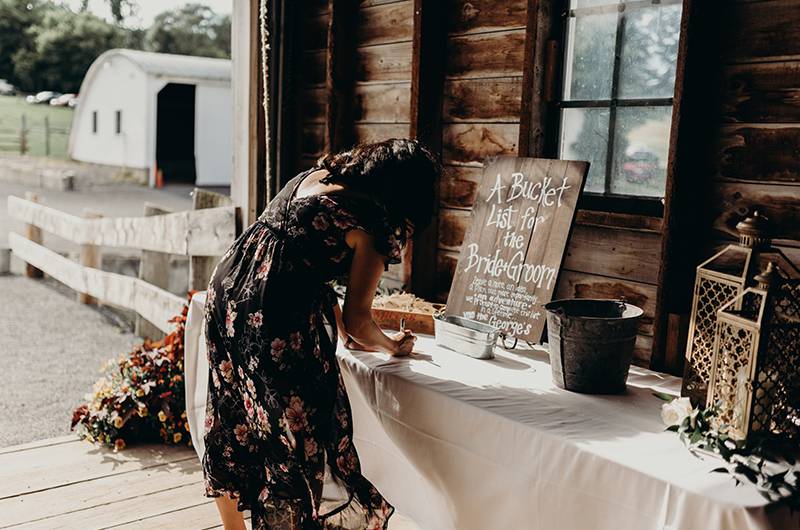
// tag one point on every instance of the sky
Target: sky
(148, 9)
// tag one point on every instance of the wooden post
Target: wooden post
(427, 82)
(201, 267)
(154, 269)
(340, 82)
(23, 136)
(90, 257)
(46, 136)
(531, 111)
(34, 233)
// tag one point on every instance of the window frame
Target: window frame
(607, 201)
(118, 122)
(94, 122)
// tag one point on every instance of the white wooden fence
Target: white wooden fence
(202, 234)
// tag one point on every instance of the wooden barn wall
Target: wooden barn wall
(608, 255)
(757, 157)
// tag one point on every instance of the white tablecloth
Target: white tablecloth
(461, 444)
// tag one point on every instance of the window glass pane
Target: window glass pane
(577, 4)
(641, 145)
(590, 57)
(584, 136)
(649, 52)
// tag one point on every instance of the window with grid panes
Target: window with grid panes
(616, 108)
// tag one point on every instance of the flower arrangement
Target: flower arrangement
(140, 397)
(767, 462)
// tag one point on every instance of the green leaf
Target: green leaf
(664, 396)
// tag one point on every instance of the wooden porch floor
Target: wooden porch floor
(68, 484)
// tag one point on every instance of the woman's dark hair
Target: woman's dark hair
(399, 173)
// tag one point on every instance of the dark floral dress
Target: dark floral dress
(278, 427)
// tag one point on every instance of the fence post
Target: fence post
(46, 136)
(201, 267)
(154, 269)
(33, 233)
(23, 136)
(90, 257)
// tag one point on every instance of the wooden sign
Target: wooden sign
(515, 243)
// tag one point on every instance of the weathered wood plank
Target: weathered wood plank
(385, 62)
(429, 49)
(88, 494)
(153, 269)
(732, 202)
(315, 32)
(313, 67)
(619, 220)
(617, 253)
(453, 225)
(340, 81)
(753, 31)
(486, 55)
(625, 254)
(55, 466)
(47, 442)
(762, 93)
(476, 16)
(459, 185)
(153, 303)
(201, 516)
(383, 102)
(385, 23)
(473, 100)
(313, 140)
(200, 266)
(757, 152)
(472, 143)
(376, 132)
(124, 512)
(573, 284)
(209, 232)
(314, 105)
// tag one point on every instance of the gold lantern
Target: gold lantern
(755, 375)
(719, 280)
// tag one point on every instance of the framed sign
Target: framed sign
(513, 249)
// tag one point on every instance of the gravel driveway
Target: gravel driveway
(51, 350)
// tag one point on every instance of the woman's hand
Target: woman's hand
(403, 343)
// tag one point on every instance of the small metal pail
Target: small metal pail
(465, 336)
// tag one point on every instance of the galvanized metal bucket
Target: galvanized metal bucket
(591, 343)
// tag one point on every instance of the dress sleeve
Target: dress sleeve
(365, 214)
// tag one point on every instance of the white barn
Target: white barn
(170, 116)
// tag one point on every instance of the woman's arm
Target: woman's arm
(365, 272)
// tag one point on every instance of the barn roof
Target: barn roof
(175, 66)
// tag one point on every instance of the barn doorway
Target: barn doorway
(175, 134)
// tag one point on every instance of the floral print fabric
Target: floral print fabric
(278, 423)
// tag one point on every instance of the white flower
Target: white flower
(677, 410)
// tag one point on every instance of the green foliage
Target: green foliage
(16, 18)
(62, 47)
(768, 462)
(193, 29)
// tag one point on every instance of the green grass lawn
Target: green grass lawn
(12, 109)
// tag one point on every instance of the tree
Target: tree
(16, 18)
(120, 9)
(62, 48)
(193, 29)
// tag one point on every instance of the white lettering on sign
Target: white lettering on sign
(508, 267)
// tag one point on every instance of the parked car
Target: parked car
(73, 102)
(42, 98)
(63, 100)
(640, 167)
(6, 88)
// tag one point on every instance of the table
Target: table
(459, 443)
